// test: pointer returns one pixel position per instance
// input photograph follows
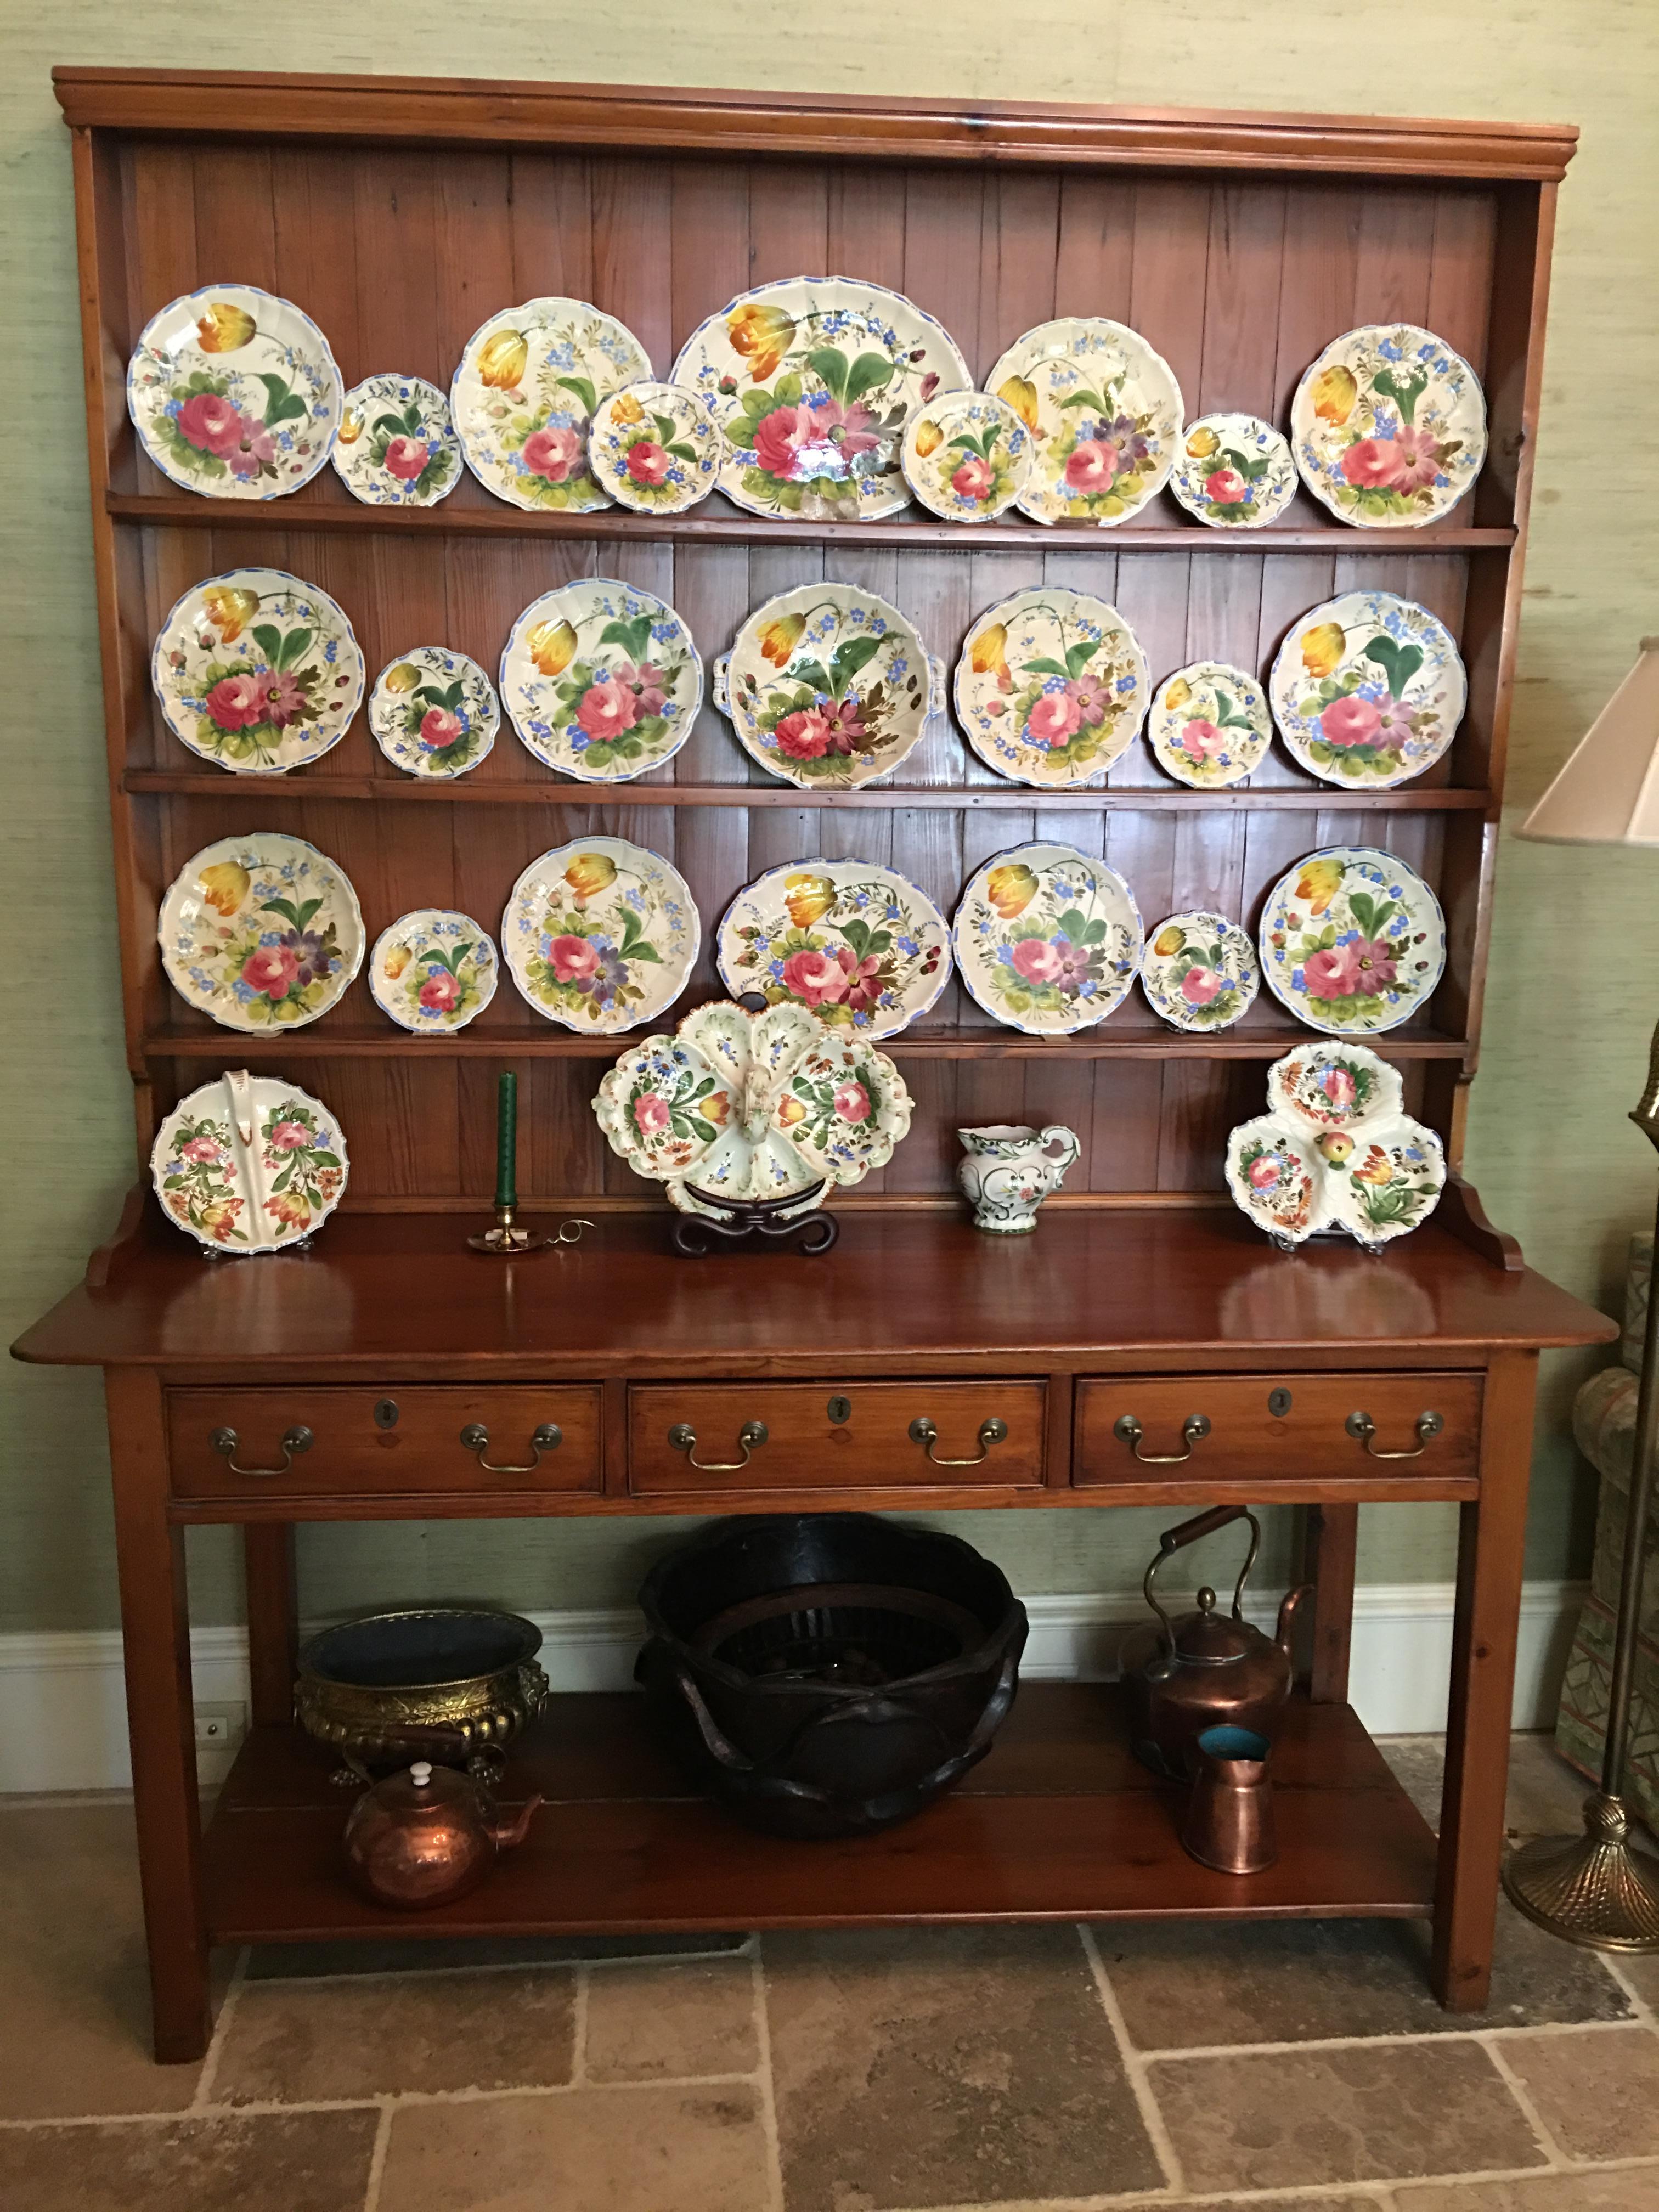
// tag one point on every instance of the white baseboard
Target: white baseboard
(63, 1714)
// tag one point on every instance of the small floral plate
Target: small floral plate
(828, 686)
(1048, 940)
(1368, 690)
(1104, 411)
(1352, 939)
(600, 935)
(256, 671)
(526, 389)
(967, 456)
(1200, 971)
(1051, 687)
(601, 680)
(861, 945)
(1210, 724)
(396, 446)
(234, 392)
(1234, 471)
(1334, 1150)
(655, 448)
(249, 1163)
(433, 711)
(1389, 427)
(261, 932)
(432, 970)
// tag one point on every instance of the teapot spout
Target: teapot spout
(1289, 1614)
(507, 1833)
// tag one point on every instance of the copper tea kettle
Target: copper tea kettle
(1205, 1669)
(426, 1835)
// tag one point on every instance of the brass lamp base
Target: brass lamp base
(1591, 1889)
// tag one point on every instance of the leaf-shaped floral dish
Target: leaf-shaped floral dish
(1051, 687)
(1048, 938)
(1234, 472)
(1200, 972)
(256, 671)
(1105, 411)
(1389, 427)
(601, 680)
(234, 394)
(249, 1163)
(396, 446)
(524, 393)
(433, 711)
(1368, 690)
(600, 935)
(752, 1106)
(1352, 940)
(1210, 724)
(261, 931)
(812, 379)
(655, 447)
(966, 456)
(432, 970)
(859, 946)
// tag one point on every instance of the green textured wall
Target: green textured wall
(1572, 989)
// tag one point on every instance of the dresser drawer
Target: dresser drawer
(369, 1442)
(832, 1436)
(1284, 1427)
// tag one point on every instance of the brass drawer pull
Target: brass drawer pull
(923, 1432)
(295, 1440)
(548, 1437)
(750, 1437)
(1194, 1429)
(1363, 1429)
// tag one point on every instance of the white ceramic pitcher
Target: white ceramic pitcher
(1010, 1171)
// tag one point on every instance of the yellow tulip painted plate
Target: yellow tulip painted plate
(1210, 724)
(261, 932)
(526, 389)
(812, 381)
(1234, 472)
(966, 456)
(234, 394)
(655, 448)
(1336, 1151)
(1048, 939)
(859, 946)
(1051, 687)
(1368, 690)
(601, 680)
(249, 1163)
(433, 711)
(396, 446)
(432, 970)
(1104, 411)
(257, 671)
(1352, 940)
(1389, 427)
(1200, 972)
(600, 935)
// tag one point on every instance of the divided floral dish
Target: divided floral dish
(967, 456)
(1200, 972)
(1048, 940)
(432, 970)
(859, 946)
(257, 671)
(249, 1163)
(261, 931)
(1051, 687)
(1368, 690)
(600, 935)
(526, 389)
(1234, 472)
(1389, 427)
(655, 448)
(601, 680)
(1104, 412)
(434, 712)
(1210, 724)
(396, 446)
(1352, 939)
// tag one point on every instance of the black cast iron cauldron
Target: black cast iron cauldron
(828, 1674)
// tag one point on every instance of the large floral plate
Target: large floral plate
(1051, 687)
(1048, 940)
(601, 680)
(1105, 411)
(261, 931)
(525, 390)
(433, 711)
(811, 380)
(1234, 471)
(1368, 690)
(1200, 972)
(1389, 427)
(432, 970)
(860, 946)
(600, 935)
(828, 685)
(257, 671)
(234, 394)
(249, 1163)
(396, 446)
(1210, 724)
(655, 448)
(967, 456)
(752, 1106)
(1352, 939)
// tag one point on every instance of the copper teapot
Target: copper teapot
(1205, 1669)
(426, 1835)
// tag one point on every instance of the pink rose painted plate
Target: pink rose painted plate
(1352, 940)
(526, 389)
(396, 446)
(1234, 472)
(860, 946)
(601, 680)
(1051, 687)
(1105, 412)
(433, 711)
(1389, 427)
(249, 1163)
(655, 448)
(600, 935)
(1368, 690)
(966, 456)
(1200, 972)
(261, 931)
(1048, 940)
(432, 971)
(1210, 724)
(257, 671)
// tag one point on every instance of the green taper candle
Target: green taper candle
(507, 1140)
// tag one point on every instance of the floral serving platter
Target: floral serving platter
(261, 931)
(859, 946)
(1352, 939)
(396, 446)
(966, 456)
(601, 680)
(600, 935)
(249, 1163)
(234, 394)
(1105, 413)
(1200, 972)
(526, 389)
(828, 685)
(752, 1106)
(1389, 427)
(257, 671)
(432, 970)
(811, 380)
(433, 711)
(1210, 724)
(655, 448)
(1051, 687)
(1048, 940)
(1234, 472)
(1368, 690)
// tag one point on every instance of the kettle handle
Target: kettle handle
(1176, 1540)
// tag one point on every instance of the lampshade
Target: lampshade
(1608, 791)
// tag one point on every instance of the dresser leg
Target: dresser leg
(272, 1632)
(1330, 1539)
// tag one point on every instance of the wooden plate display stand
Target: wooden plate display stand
(400, 214)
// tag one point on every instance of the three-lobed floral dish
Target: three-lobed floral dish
(602, 680)
(1200, 972)
(1104, 411)
(655, 447)
(249, 1163)
(1210, 724)
(1352, 939)
(527, 386)
(1051, 687)
(1368, 690)
(433, 711)
(1234, 472)
(1389, 427)
(432, 970)
(256, 671)
(396, 446)
(261, 931)
(234, 394)
(600, 935)
(1048, 940)
(966, 456)
(858, 946)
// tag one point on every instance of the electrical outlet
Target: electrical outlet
(219, 1733)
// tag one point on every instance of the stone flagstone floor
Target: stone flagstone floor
(1301, 2067)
